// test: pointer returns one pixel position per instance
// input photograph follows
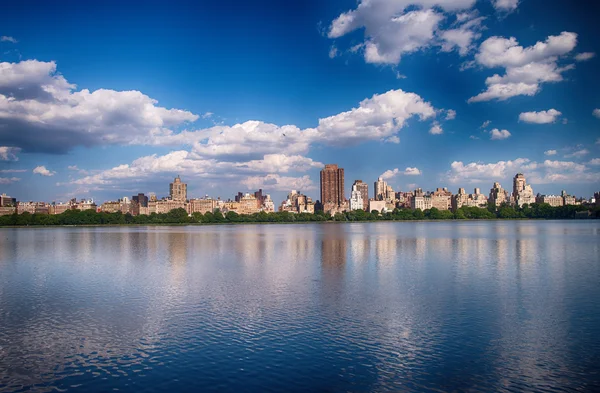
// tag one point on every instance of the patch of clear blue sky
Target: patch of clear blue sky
(268, 60)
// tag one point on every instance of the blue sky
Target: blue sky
(105, 100)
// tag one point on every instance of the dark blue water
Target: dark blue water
(432, 306)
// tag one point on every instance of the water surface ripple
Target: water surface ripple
(505, 306)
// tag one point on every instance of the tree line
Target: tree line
(180, 216)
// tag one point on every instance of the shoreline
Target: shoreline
(290, 222)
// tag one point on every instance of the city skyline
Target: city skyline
(480, 91)
(384, 199)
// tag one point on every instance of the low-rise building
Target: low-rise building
(60, 207)
(441, 199)
(377, 205)
(202, 206)
(552, 200)
(32, 207)
(163, 206)
(7, 210)
(421, 202)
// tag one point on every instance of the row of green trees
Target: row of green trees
(180, 216)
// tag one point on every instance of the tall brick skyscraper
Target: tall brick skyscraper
(332, 185)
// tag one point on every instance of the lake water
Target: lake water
(427, 306)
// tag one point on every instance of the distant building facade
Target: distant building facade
(363, 189)
(178, 190)
(332, 187)
(522, 192)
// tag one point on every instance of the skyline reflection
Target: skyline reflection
(497, 306)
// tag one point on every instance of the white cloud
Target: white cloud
(409, 171)
(450, 114)
(595, 161)
(13, 170)
(8, 180)
(207, 115)
(542, 117)
(596, 112)
(279, 183)
(436, 129)
(8, 153)
(550, 152)
(36, 101)
(505, 5)
(412, 171)
(73, 168)
(41, 170)
(463, 36)
(497, 134)
(585, 56)
(380, 116)
(578, 153)
(6, 38)
(392, 28)
(525, 68)
(536, 173)
(473, 137)
(192, 165)
(377, 118)
(333, 52)
(486, 123)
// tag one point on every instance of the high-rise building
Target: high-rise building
(178, 190)
(522, 192)
(6, 201)
(363, 188)
(498, 195)
(140, 199)
(380, 189)
(356, 198)
(332, 185)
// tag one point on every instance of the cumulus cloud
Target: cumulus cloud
(585, 56)
(192, 165)
(578, 153)
(542, 117)
(393, 28)
(436, 129)
(9, 153)
(377, 118)
(497, 134)
(505, 5)
(41, 170)
(380, 116)
(525, 68)
(279, 183)
(409, 171)
(8, 180)
(36, 102)
(536, 173)
(595, 161)
(6, 38)
(596, 112)
(450, 114)
(550, 152)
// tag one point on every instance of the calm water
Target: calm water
(470, 306)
